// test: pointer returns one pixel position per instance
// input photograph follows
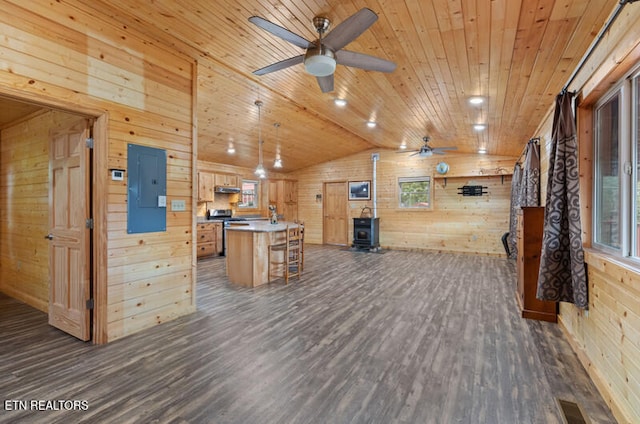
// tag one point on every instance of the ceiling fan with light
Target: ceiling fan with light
(426, 150)
(322, 55)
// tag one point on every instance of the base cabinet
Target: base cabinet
(529, 244)
(209, 239)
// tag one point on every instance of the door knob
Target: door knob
(49, 236)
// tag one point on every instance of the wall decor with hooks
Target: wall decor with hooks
(472, 190)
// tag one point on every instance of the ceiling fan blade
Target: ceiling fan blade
(364, 61)
(436, 152)
(326, 83)
(281, 32)
(407, 151)
(446, 148)
(280, 65)
(416, 153)
(349, 29)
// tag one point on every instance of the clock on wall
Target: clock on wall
(442, 168)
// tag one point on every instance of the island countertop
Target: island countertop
(248, 254)
(259, 226)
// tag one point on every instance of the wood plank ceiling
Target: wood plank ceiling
(517, 54)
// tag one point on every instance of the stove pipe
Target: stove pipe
(374, 196)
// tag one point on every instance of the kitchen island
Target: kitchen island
(248, 250)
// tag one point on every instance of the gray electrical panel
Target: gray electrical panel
(146, 189)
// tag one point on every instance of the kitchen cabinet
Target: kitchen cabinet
(529, 243)
(284, 194)
(209, 237)
(206, 185)
(290, 191)
(226, 180)
(276, 191)
(290, 211)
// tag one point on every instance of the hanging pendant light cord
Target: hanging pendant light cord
(258, 103)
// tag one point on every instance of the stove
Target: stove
(219, 214)
(226, 216)
(366, 233)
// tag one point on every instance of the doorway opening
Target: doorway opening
(46, 186)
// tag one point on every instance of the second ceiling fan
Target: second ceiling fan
(322, 55)
(426, 150)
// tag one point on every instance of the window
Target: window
(415, 192)
(617, 170)
(249, 195)
(607, 175)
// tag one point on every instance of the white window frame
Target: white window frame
(629, 159)
(256, 195)
(428, 179)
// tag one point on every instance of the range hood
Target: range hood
(225, 189)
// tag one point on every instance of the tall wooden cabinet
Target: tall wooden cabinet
(529, 244)
(284, 194)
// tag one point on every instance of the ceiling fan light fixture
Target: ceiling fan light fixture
(320, 62)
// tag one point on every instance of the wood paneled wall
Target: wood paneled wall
(607, 336)
(455, 224)
(64, 56)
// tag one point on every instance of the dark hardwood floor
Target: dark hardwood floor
(398, 337)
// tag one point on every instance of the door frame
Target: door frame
(346, 210)
(98, 184)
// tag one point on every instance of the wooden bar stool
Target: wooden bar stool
(301, 224)
(294, 251)
(290, 250)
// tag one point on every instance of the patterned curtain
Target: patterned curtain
(515, 205)
(530, 185)
(562, 276)
(525, 190)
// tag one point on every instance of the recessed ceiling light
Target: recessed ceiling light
(477, 100)
(371, 124)
(340, 102)
(479, 127)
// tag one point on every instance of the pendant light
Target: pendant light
(260, 171)
(278, 162)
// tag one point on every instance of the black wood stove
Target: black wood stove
(366, 233)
